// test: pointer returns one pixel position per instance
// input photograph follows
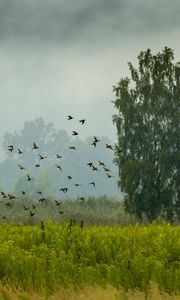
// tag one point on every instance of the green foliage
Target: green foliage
(148, 128)
(131, 257)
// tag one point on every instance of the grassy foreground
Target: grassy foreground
(44, 259)
(90, 293)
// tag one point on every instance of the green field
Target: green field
(44, 259)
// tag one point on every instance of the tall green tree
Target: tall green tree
(148, 128)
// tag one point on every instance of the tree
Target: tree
(147, 152)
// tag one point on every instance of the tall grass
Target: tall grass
(132, 257)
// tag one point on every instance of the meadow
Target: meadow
(49, 257)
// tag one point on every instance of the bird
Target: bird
(42, 200)
(58, 156)
(96, 139)
(34, 146)
(64, 190)
(11, 148)
(11, 196)
(82, 199)
(101, 163)
(90, 164)
(59, 167)
(3, 195)
(72, 147)
(31, 213)
(93, 183)
(61, 212)
(8, 204)
(19, 151)
(74, 133)
(106, 169)
(25, 208)
(23, 192)
(82, 121)
(94, 168)
(37, 165)
(109, 176)
(77, 184)
(57, 202)
(29, 178)
(93, 144)
(21, 167)
(70, 117)
(39, 192)
(109, 146)
(69, 177)
(33, 206)
(41, 156)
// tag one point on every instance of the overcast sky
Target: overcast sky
(60, 57)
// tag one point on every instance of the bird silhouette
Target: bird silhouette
(25, 208)
(82, 121)
(96, 139)
(82, 199)
(58, 156)
(72, 147)
(109, 146)
(69, 177)
(93, 183)
(58, 202)
(101, 163)
(23, 192)
(8, 204)
(93, 144)
(64, 190)
(42, 200)
(90, 164)
(106, 169)
(42, 157)
(109, 176)
(11, 196)
(94, 168)
(29, 178)
(74, 133)
(59, 167)
(37, 165)
(70, 117)
(3, 195)
(19, 151)
(39, 192)
(61, 212)
(34, 146)
(77, 184)
(31, 213)
(11, 148)
(21, 167)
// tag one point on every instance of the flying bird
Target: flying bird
(94, 168)
(57, 202)
(31, 213)
(69, 177)
(82, 121)
(19, 151)
(25, 208)
(21, 167)
(106, 169)
(93, 183)
(109, 146)
(59, 167)
(64, 190)
(41, 156)
(77, 184)
(29, 178)
(42, 200)
(34, 146)
(37, 166)
(90, 164)
(101, 163)
(109, 176)
(10, 148)
(74, 133)
(58, 156)
(96, 139)
(70, 117)
(72, 147)
(23, 192)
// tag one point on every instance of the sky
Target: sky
(60, 57)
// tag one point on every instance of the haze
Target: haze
(62, 57)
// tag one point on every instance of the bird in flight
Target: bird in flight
(82, 121)
(70, 117)
(21, 167)
(58, 156)
(19, 151)
(69, 177)
(29, 178)
(59, 167)
(101, 163)
(74, 133)
(34, 146)
(109, 146)
(96, 139)
(90, 164)
(77, 184)
(94, 168)
(64, 190)
(10, 148)
(31, 213)
(93, 183)
(23, 192)
(72, 147)
(109, 176)
(25, 208)
(37, 165)
(42, 200)
(42, 157)
(57, 202)
(106, 169)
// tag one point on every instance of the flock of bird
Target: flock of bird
(41, 157)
